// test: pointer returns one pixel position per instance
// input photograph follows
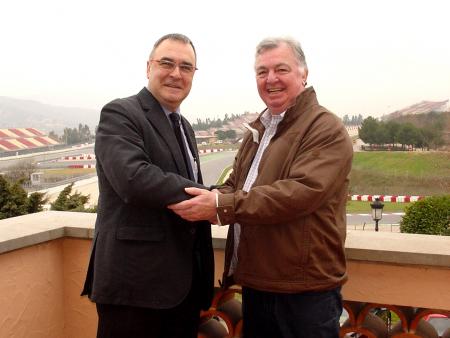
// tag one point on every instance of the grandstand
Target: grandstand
(16, 139)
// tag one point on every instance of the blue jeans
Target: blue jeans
(297, 315)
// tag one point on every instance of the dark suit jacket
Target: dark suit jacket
(142, 252)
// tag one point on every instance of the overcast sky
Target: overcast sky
(368, 57)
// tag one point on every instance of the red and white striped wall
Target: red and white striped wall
(82, 157)
(81, 166)
(386, 198)
(207, 151)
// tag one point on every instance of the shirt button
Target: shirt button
(192, 231)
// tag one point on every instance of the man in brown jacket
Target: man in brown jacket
(285, 203)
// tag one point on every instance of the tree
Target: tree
(220, 134)
(382, 135)
(215, 123)
(69, 136)
(67, 201)
(20, 171)
(359, 119)
(432, 134)
(36, 202)
(53, 136)
(346, 120)
(230, 134)
(4, 191)
(429, 131)
(368, 130)
(81, 134)
(407, 134)
(353, 121)
(84, 133)
(15, 202)
(392, 128)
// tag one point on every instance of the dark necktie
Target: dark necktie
(175, 118)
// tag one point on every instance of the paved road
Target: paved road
(388, 218)
(53, 164)
(213, 164)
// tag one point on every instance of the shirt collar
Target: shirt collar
(168, 112)
(267, 117)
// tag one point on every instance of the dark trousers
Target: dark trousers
(299, 315)
(121, 321)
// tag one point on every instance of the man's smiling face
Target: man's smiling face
(170, 88)
(279, 78)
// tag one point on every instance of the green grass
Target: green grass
(224, 174)
(400, 173)
(413, 164)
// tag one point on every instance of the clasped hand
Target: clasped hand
(200, 207)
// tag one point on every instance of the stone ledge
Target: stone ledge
(398, 248)
(28, 230)
(383, 247)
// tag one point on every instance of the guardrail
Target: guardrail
(48, 185)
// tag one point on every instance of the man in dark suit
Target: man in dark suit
(150, 272)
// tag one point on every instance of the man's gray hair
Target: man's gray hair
(271, 43)
(176, 37)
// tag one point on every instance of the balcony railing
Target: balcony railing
(43, 261)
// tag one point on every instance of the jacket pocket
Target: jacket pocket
(140, 234)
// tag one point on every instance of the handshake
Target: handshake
(200, 207)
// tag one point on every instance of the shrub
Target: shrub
(36, 201)
(14, 200)
(68, 201)
(430, 216)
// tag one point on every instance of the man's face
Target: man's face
(279, 78)
(170, 85)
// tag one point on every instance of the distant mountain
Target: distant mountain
(17, 113)
(423, 107)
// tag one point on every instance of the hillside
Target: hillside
(18, 113)
(423, 107)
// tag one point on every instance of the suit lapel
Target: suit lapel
(156, 116)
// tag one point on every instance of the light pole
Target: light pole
(377, 211)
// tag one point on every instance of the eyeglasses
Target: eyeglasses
(171, 65)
